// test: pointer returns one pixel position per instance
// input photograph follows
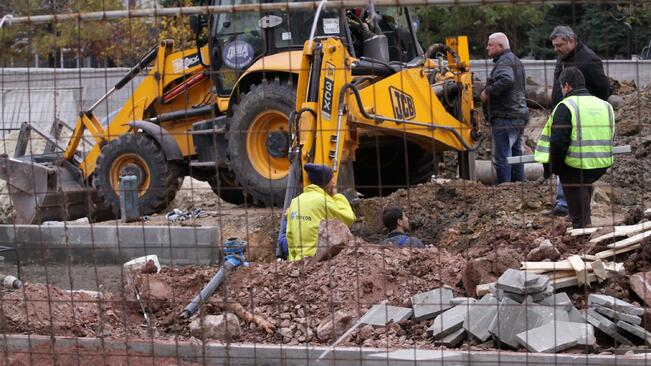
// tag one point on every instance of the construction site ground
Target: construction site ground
(458, 220)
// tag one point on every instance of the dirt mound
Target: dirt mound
(630, 174)
(41, 309)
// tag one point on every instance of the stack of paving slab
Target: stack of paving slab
(520, 311)
(617, 318)
(574, 271)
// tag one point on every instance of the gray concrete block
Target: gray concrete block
(379, 315)
(428, 305)
(112, 244)
(449, 321)
(463, 300)
(617, 315)
(538, 315)
(480, 317)
(635, 330)
(549, 338)
(559, 300)
(522, 283)
(615, 304)
(574, 315)
(452, 339)
(606, 326)
(507, 322)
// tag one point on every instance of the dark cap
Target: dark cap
(318, 174)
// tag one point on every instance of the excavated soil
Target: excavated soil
(473, 233)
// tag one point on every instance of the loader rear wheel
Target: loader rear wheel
(258, 141)
(139, 155)
(225, 186)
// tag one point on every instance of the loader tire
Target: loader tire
(258, 141)
(137, 154)
(224, 185)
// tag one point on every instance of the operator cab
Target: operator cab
(238, 39)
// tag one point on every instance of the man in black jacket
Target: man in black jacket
(571, 52)
(507, 108)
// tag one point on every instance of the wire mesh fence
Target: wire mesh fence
(290, 183)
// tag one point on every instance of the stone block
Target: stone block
(428, 305)
(605, 325)
(507, 322)
(558, 300)
(635, 330)
(616, 315)
(522, 283)
(463, 300)
(575, 316)
(615, 304)
(480, 317)
(452, 339)
(549, 338)
(223, 327)
(382, 314)
(449, 321)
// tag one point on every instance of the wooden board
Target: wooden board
(599, 270)
(580, 232)
(580, 268)
(612, 252)
(483, 289)
(623, 231)
(630, 241)
(564, 265)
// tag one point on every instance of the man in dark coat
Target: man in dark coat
(573, 53)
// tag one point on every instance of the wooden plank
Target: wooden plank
(626, 230)
(570, 281)
(580, 268)
(560, 274)
(630, 241)
(599, 270)
(588, 257)
(580, 232)
(612, 252)
(547, 266)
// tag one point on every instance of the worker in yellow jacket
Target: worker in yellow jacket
(319, 201)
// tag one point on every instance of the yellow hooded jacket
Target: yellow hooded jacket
(305, 214)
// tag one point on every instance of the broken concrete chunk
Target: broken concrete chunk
(428, 305)
(558, 300)
(615, 304)
(616, 315)
(480, 317)
(382, 314)
(452, 339)
(635, 330)
(549, 338)
(603, 324)
(449, 321)
(223, 327)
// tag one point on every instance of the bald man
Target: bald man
(505, 107)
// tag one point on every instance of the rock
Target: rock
(154, 291)
(616, 101)
(641, 285)
(331, 327)
(334, 235)
(224, 327)
(487, 269)
(285, 332)
(545, 251)
(366, 332)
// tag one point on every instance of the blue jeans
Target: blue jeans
(507, 142)
(560, 196)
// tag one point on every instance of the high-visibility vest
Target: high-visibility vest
(593, 129)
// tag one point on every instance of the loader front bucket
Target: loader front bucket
(47, 188)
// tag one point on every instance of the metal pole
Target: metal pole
(288, 6)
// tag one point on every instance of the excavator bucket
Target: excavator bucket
(45, 187)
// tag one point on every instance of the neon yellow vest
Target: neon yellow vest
(593, 129)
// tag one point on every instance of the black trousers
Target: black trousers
(578, 188)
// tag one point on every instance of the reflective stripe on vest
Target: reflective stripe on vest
(592, 141)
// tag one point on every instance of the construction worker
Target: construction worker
(507, 108)
(572, 52)
(577, 143)
(319, 201)
(397, 222)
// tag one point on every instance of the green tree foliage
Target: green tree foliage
(603, 27)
